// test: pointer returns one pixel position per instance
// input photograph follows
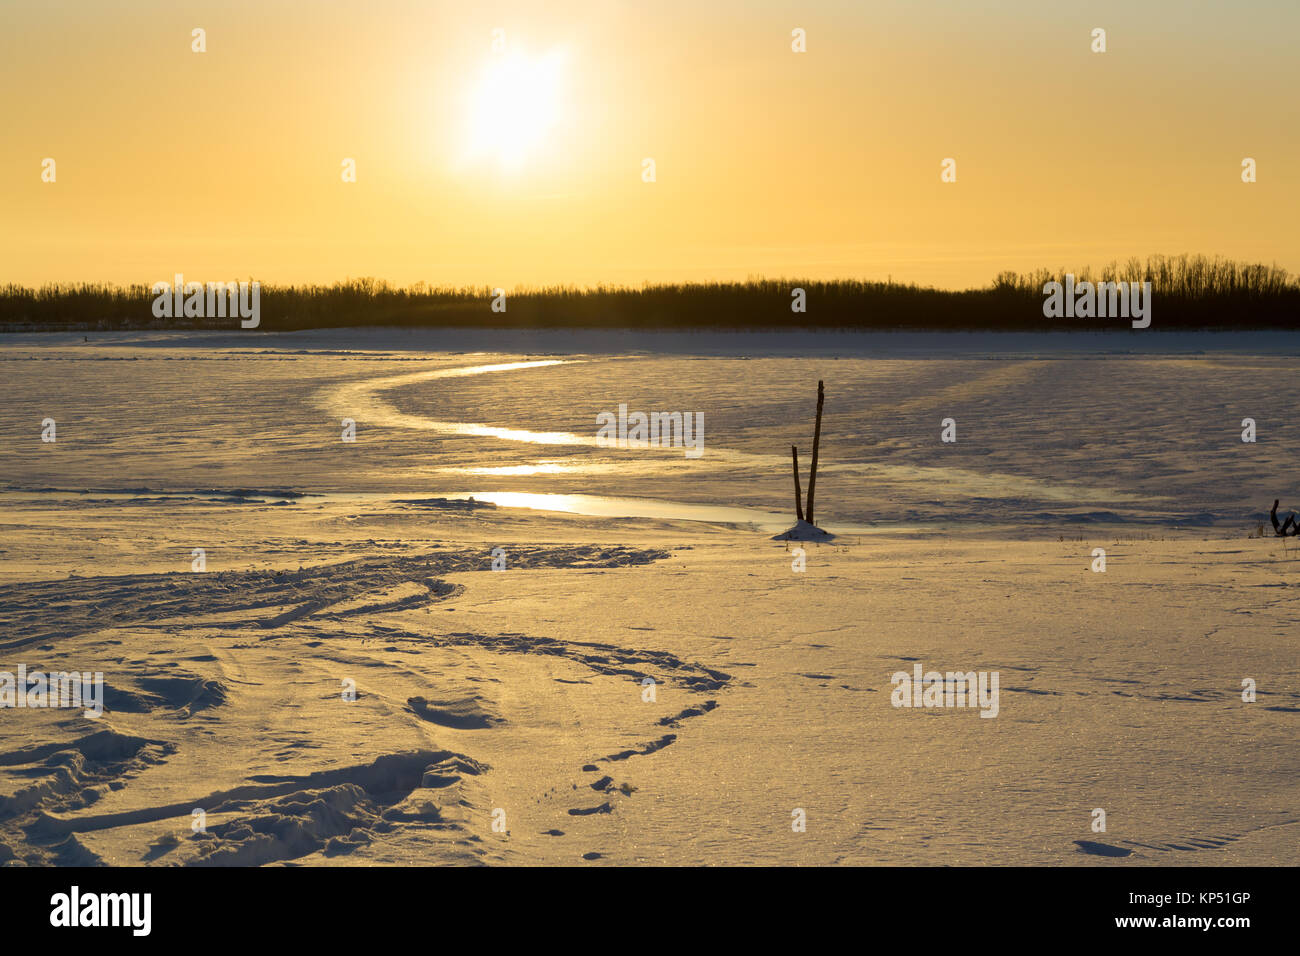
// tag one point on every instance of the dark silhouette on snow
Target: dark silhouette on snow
(1290, 523)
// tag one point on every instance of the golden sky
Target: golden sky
(227, 164)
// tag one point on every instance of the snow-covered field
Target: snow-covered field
(502, 716)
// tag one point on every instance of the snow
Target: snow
(519, 696)
(803, 531)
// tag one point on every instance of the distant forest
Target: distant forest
(1188, 292)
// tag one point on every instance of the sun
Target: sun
(517, 102)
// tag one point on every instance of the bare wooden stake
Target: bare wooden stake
(817, 440)
(798, 493)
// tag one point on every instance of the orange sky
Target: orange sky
(226, 164)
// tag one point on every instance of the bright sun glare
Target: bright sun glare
(517, 101)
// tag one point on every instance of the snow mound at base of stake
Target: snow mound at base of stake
(803, 531)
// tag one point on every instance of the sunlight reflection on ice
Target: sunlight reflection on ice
(360, 400)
